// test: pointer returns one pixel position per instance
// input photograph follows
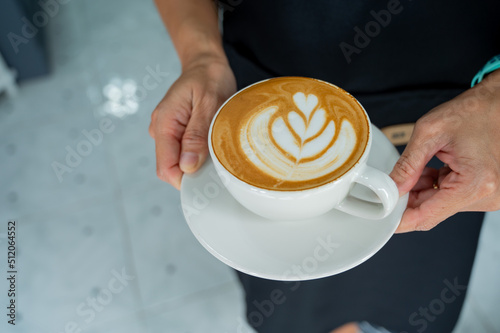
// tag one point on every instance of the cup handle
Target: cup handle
(385, 191)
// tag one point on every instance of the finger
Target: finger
(418, 152)
(168, 134)
(443, 172)
(430, 207)
(431, 172)
(152, 123)
(424, 183)
(417, 197)
(421, 218)
(426, 180)
(194, 148)
(168, 123)
(167, 160)
(347, 328)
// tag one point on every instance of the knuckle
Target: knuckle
(423, 227)
(151, 131)
(427, 129)
(152, 123)
(423, 122)
(195, 136)
(164, 129)
(434, 215)
(427, 134)
(208, 104)
(427, 123)
(437, 123)
(494, 206)
(162, 175)
(405, 166)
(154, 114)
(168, 177)
(490, 184)
(472, 102)
(425, 224)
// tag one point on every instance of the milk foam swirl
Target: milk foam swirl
(301, 144)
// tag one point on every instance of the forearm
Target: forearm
(193, 27)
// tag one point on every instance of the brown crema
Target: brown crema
(278, 94)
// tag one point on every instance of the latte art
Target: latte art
(299, 145)
(290, 133)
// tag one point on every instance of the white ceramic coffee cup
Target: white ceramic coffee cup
(308, 203)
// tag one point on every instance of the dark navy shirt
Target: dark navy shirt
(399, 58)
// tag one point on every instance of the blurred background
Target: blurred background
(102, 245)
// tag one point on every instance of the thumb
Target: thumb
(194, 149)
(412, 162)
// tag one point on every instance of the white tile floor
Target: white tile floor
(110, 216)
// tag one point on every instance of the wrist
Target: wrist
(207, 56)
(491, 66)
(493, 79)
(199, 46)
(193, 27)
(203, 57)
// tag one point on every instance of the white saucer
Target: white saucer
(285, 250)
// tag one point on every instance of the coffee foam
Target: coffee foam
(290, 133)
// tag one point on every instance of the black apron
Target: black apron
(399, 59)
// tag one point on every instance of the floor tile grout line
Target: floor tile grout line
(66, 208)
(180, 301)
(126, 239)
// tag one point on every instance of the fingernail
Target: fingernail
(188, 161)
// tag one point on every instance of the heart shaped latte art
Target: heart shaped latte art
(299, 144)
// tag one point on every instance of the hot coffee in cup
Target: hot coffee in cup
(292, 147)
(290, 134)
